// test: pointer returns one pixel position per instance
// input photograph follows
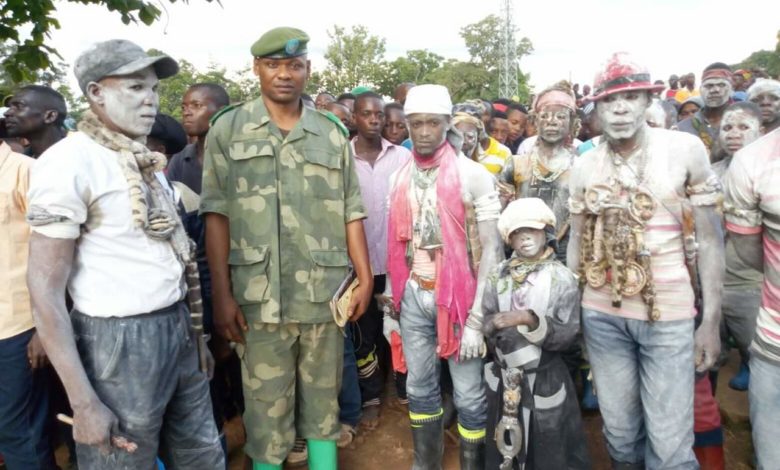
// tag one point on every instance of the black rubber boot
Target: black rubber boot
(472, 455)
(428, 438)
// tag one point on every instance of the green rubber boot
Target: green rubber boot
(323, 455)
(265, 466)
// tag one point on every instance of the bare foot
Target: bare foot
(370, 419)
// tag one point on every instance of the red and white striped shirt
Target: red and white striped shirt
(666, 183)
(753, 207)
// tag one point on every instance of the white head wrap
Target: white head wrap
(763, 85)
(428, 99)
(529, 212)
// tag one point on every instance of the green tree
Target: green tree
(32, 54)
(465, 80)
(55, 77)
(354, 58)
(243, 86)
(483, 41)
(769, 61)
(314, 85)
(414, 67)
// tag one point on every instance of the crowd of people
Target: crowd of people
(507, 265)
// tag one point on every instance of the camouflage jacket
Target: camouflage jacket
(287, 200)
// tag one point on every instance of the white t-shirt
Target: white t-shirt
(117, 271)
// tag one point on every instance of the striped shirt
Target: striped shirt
(663, 232)
(494, 157)
(738, 275)
(753, 207)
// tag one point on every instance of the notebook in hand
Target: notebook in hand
(342, 298)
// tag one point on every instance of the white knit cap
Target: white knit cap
(763, 85)
(428, 99)
(528, 212)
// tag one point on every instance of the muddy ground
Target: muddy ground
(389, 447)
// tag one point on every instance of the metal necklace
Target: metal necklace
(624, 174)
(537, 168)
(427, 228)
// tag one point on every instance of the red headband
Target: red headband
(555, 97)
(718, 73)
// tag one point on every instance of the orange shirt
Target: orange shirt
(15, 309)
(684, 93)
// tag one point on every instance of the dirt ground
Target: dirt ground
(389, 447)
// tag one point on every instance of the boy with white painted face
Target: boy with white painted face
(629, 197)
(716, 90)
(532, 315)
(740, 126)
(766, 94)
(106, 226)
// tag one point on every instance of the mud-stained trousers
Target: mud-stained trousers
(145, 369)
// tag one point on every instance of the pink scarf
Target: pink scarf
(455, 282)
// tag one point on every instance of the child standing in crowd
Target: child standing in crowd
(531, 306)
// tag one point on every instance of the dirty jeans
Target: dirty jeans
(145, 369)
(418, 330)
(644, 378)
(24, 408)
(764, 395)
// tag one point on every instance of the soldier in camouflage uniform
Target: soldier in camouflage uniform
(283, 218)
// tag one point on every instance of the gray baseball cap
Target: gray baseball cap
(118, 57)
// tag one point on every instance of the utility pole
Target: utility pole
(508, 69)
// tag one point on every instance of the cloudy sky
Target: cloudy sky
(571, 38)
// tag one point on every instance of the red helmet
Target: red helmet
(622, 73)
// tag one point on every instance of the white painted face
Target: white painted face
(716, 92)
(553, 123)
(470, 137)
(737, 129)
(128, 103)
(622, 114)
(528, 243)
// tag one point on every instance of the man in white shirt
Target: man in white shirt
(105, 225)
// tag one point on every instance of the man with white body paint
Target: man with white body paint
(628, 198)
(105, 225)
(543, 172)
(766, 94)
(752, 211)
(740, 126)
(716, 90)
(442, 205)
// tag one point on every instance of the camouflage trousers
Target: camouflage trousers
(292, 377)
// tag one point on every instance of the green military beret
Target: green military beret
(281, 43)
(359, 90)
